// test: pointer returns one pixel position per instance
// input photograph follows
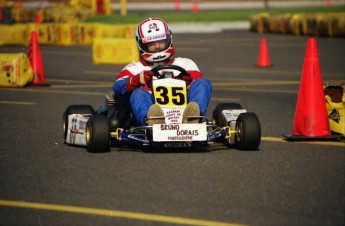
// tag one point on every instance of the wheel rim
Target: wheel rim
(64, 125)
(238, 132)
(64, 128)
(88, 135)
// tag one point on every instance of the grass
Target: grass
(206, 16)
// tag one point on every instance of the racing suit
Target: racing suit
(141, 98)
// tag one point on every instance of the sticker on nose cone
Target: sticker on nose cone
(179, 132)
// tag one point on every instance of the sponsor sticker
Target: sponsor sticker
(179, 132)
(232, 114)
(76, 129)
(154, 38)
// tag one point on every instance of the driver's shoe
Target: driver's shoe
(192, 109)
(155, 115)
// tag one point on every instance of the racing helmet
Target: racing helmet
(150, 30)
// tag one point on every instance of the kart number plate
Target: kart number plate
(179, 132)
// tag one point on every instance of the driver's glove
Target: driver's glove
(144, 78)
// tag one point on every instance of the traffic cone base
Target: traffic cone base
(311, 117)
(291, 137)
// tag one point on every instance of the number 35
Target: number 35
(170, 95)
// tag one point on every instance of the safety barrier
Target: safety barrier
(63, 33)
(114, 51)
(15, 70)
(312, 24)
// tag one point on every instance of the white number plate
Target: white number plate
(179, 132)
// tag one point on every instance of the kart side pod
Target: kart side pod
(76, 131)
(248, 131)
(243, 128)
(230, 117)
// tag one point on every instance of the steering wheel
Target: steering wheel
(156, 70)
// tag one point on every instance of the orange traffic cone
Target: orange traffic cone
(311, 118)
(177, 5)
(38, 18)
(328, 3)
(20, 4)
(36, 60)
(195, 7)
(264, 58)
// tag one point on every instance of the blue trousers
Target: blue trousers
(199, 92)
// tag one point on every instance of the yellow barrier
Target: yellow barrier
(130, 30)
(101, 7)
(318, 24)
(4, 37)
(15, 70)
(260, 23)
(46, 33)
(114, 51)
(63, 33)
(85, 33)
(336, 115)
(335, 105)
(68, 15)
(74, 34)
(110, 30)
(14, 34)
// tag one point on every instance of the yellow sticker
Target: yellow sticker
(170, 95)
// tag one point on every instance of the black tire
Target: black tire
(75, 109)
(217, 112)
(98, 134)
(248, 136)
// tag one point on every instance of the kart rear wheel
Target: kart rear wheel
(248, 136)
(217, 113)
(98, 134)
(75, 109)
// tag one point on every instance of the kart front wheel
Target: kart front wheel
(98, 134)
(248, 131)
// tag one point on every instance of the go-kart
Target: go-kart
(231, 124)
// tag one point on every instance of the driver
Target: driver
(155, 45)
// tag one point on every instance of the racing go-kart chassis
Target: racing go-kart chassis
(231, 124)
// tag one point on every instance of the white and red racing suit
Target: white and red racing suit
(141, 98)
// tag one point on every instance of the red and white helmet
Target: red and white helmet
(150, 30)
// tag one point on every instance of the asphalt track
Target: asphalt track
(45, 182)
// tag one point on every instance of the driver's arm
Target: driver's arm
(190, 66)
(192, 69)
(131, 77)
